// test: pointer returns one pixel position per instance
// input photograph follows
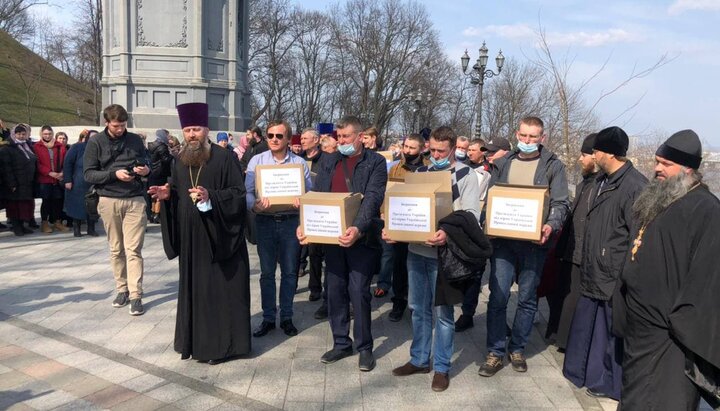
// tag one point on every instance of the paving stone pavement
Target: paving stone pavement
(63, 347)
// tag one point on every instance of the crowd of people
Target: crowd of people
(628, 266)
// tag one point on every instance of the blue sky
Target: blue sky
(627, 34)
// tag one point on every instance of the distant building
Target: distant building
(161, 53)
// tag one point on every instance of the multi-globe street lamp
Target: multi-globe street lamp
(420, 99)
(478, 74)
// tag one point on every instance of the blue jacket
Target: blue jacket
(73, 173)
(369, 178)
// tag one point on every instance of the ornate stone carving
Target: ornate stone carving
(140, 30)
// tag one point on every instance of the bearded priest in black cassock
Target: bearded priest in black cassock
(668, 310)
(203, 215)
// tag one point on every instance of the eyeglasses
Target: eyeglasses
(278, 136)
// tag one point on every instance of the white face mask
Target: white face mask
(460, 154)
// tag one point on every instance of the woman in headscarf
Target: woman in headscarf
(18, 163)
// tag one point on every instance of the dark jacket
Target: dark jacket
(464, 252)
(569, 238)
(550, 172)
(73, 173)
(369, 177)
(103, 157)
(607, 230)
(160, 163)
(18, 172)
(251, 150)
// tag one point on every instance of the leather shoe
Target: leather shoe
(315, 295)
(321, 313)
(184, 356)
(366, 362)
(263, 329)
(440, 382)
(336, 355)
(463, 323)
(216, 362)
(397, 312)
(288, 327)
(595, 394)
(409, 369)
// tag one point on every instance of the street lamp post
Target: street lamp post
(478, 74)
(419, 98)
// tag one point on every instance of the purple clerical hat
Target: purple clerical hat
(193, 114)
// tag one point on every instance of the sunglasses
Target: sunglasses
(278, 136)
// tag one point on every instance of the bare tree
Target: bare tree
(16, 20)
(31, 79)
(311, 56)
(270, 65)
(87, 49)
(575, 114)
(380, 49)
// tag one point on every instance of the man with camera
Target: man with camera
(114, 161)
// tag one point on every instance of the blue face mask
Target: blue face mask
(460, 155)
(442, 163)
(527, 148)
(346, 149)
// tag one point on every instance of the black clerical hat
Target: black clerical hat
(588, 143)
(612, 140)
(683, 148)
(193, 114)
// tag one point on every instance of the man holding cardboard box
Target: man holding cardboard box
(428, 291)
(412, 159)
(531, 165)
(274, 181)
(351, 263)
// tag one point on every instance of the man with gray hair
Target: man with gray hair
(667, 310)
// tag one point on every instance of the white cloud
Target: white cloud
(596, 39)
(522, 31)
(508, 31)
(681, 6)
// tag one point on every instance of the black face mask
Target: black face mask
(411, 157)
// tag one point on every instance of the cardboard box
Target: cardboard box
(326, 216)
(281, 183)
(516, 212)
(387, 154)
(412, 210)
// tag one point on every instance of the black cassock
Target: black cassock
(213, 309)
(669, 311)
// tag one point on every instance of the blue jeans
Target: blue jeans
(386, 267)
(277, 243)
(509, 257)
(422, 277)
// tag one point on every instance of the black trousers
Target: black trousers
(51, 209)
(315, 255)
(349, 271)
(400, 274)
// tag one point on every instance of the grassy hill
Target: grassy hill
(57, 95)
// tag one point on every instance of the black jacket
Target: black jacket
(550, 172)
(569, 238)
(251, 150)
(607, 230)
(369, 177)
(464, 252)
(160, 163)
(99, 167)
(18, 172)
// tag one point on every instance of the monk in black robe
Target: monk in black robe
(668, 308)
(203, 218)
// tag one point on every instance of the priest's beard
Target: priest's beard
(659, 194)
(195, 155)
